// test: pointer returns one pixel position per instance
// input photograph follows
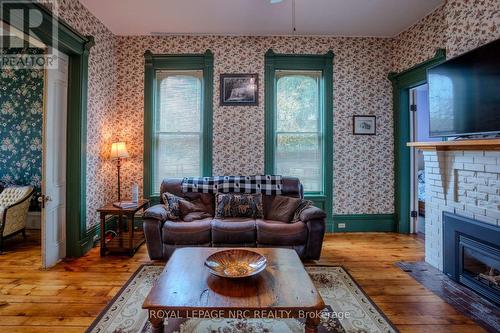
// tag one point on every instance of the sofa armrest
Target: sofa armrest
(156, 212)
(152, 233)
(315, 220)
(14, 216)
(154, 218)
(312, 213)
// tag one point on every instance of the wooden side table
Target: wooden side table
(126, 242)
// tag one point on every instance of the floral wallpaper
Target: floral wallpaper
(419, 42)
(21, 123)
(470, 24)
(457, 26)
(363, 165)
(101, 127)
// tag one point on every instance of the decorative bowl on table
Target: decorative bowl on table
(235, 263)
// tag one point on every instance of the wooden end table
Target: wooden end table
(186, 289)
(125, 242)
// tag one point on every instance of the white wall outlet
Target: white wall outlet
(341, 225)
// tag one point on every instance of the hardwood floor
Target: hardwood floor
(66, 298)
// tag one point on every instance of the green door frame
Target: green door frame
(154, 62)
(79, 239)
(401, 85)
(318, 62)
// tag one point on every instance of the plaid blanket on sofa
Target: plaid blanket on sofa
(266, 184)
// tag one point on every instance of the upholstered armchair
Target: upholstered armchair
(14, 205)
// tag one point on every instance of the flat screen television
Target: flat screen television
(464, 93)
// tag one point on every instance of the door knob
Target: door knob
(43, 199)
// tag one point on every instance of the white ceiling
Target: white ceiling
(381, 18)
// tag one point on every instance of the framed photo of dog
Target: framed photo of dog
(239, 89)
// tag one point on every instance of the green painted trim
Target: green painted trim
(68, 40)
(320, 62)
(401, 85)
(154, 62)
(207, 119)
(149, 102)
(365, 223)
(77, 47)
(79, 239)
(91, 238)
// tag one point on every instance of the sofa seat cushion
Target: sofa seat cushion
(272, 232)
(187, 233)
(233, 230)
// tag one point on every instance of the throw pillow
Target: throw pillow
(304, 204)
(280, 208)
(196, 206)
(171, 204)
(238, 205)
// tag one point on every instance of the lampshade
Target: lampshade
(119, 150)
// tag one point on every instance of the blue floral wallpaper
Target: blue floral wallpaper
(21, 121)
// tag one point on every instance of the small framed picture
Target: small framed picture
(364, 125)
(239, 89)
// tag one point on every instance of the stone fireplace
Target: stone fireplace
(462, 203)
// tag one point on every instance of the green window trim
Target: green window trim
(156, 62)
(401, 85)
(316, 62)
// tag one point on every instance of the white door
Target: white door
(54, 164)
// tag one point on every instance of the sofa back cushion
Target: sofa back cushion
(280, 208)
(238, 205)
(291, 187)
(195, 209)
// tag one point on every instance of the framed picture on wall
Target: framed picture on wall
(364, 125)
(239, 89)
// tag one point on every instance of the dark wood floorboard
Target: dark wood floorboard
(460, 297)
(66, 298)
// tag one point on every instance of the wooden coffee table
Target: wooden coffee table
(186, 289)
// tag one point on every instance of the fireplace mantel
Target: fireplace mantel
(478, 144)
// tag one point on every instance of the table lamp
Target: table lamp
(119, 151)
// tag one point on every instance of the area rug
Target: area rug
(348, 309)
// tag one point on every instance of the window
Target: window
(177, 118)
(299, 122)
(299, 133)
(178, 127)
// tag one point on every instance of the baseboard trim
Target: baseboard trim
(364, 223)
(90, 239)
(93, 234)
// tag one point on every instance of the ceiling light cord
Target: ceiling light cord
(294, 28)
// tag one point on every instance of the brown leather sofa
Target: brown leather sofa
(164, 236)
